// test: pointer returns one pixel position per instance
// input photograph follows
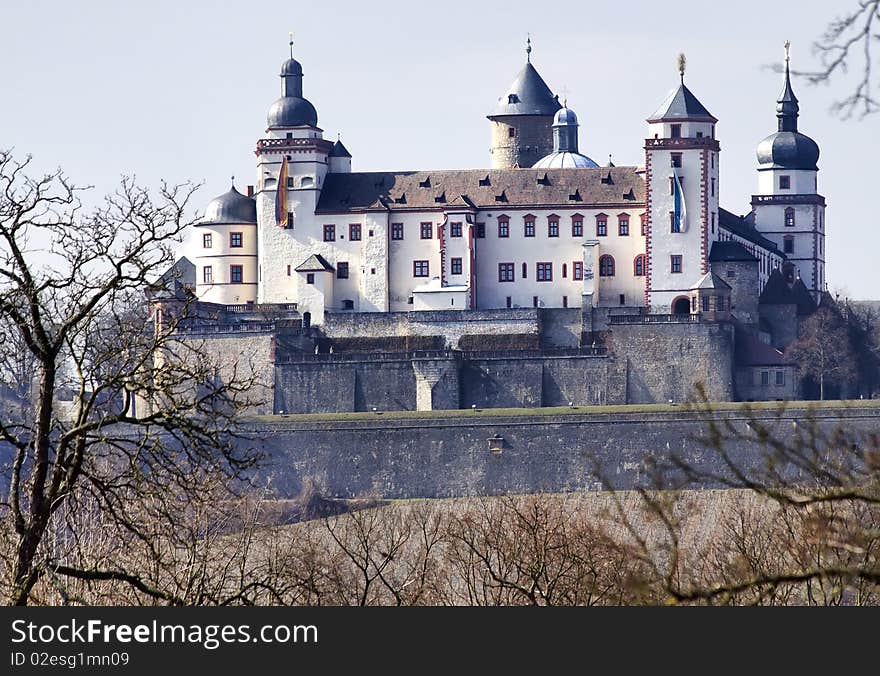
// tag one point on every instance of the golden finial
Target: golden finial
(682, 65)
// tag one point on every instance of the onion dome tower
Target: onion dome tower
(226, 241)
(565, 153)
(521, 122)
(788, 207)
(292, 110)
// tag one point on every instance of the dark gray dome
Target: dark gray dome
(231, 207)
(788, 150)
(291, 67)
(565, 116)
(292, 111)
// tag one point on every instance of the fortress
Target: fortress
(542, 280)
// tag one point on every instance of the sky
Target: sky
(179, 90)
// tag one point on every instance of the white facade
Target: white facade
(500, 237)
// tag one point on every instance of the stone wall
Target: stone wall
(444, 457)
(243, 355)
(743, 278)
(450, 324)
(667, 362)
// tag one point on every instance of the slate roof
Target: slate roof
(740, 225)
(175, 282)
(681, 104)
(527, 95)
(776, 291)
(803, 298)
(730, 250)
(339, 150)
(750, 351)
(483, 188)
(711, 281)
(314, 263)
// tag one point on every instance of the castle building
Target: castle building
(544, 228)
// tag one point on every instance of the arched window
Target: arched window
(606, 266)
(789, 217)
(639, 266)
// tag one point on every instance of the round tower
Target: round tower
(788, 207)
(521, 124)
(226, 265)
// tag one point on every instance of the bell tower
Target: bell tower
(681, 161)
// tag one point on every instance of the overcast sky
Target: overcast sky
(179, 89)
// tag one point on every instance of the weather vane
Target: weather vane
(787, 51)
(682, 65)
(529, 47)
(290, 36)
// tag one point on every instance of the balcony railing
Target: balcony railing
(655, 319)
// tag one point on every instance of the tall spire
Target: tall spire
(787, 107)
(682, 65)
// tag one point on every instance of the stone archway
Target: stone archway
(681, 306)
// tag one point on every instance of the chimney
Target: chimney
(250, 191)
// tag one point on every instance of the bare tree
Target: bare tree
(848, 45)
(822, 350)
(149, 423)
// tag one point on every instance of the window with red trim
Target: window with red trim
(354, 232)
(577, 270)
(544, 272)
(606, 266)
(601, 225)
(504, 226)
(639, 265)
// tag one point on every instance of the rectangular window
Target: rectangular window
(565, 301)
(206, 240)
(784, 182)
(290, 181)
(780, 378)
(207, 275)
(623, 226)
(673, 226)
(509, 301)
(676, 160)
(525, 270)
(577, 270)
(675, 263)
(235, 240)
(289, 225)
(705, 303)
(529, 230)
(788, 245)
(601, 227)
(675, 130)
(765, 377)
(534, 301)
(577, 228)
(427, 230)
(505, 272)
(342, 270)
(511, 132)
(236, 274)
(455, 266)
(397, 231)
(789, 218)
(420, 268)
(481, 230)
(644, 219)
(713, 188)
(503, 228)
(564, 270)
(329, 233)
(288, 271)
(455, 229)
(553, 227)
(622, 299)
(354, 232)
(310, 278)
(544, 272)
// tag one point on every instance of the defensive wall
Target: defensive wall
(467, 453)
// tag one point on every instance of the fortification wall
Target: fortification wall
(451, 324)
(667, 361)
(444, 457)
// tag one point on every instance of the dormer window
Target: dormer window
(512, 98)
(675, 131)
